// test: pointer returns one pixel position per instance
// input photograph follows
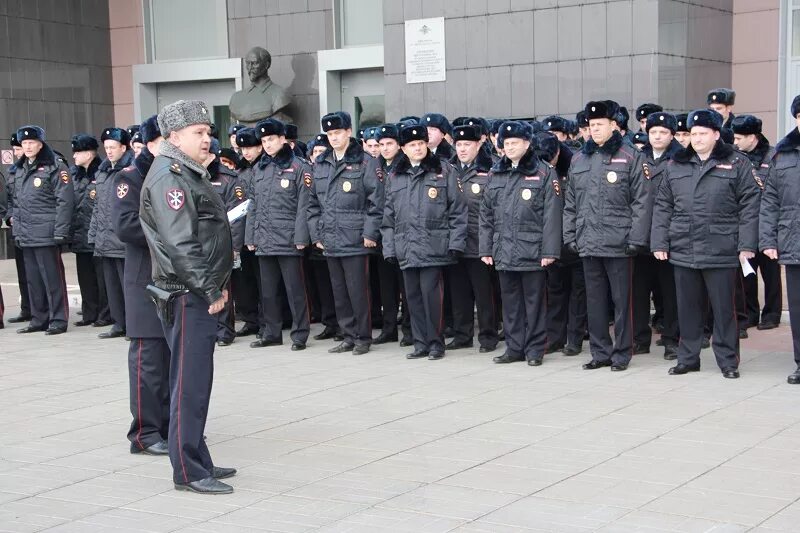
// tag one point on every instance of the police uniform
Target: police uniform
(520, 225)
(3, 214)
(705, 214)
(345, 207)
(725, 97)
(186, 226)
(44, 199)
(276, 224)
(148, 351)
(19, 257)
(606, 220)
(470, 280)
(424, 229)
(779, 227)
(101, 233)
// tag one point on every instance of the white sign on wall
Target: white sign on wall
(425, 57)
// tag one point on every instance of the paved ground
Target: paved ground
(378, 443)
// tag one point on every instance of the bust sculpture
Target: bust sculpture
(263, 99)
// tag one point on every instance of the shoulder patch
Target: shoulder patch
(64, 176)
(758, 179)
(379, 174)
(122, 190)
(92, 194)
(557, 187)
(175, 198)
(646, 171)
(239, 192)
(175, 168)
(307, 179)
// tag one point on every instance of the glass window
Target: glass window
(186, 29)
(359, 22)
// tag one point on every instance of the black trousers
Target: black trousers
(322, 280)
(148, 379)
(278, 272)
(376, 294)
(525, 312)
(470, 283)
(47, 286)
(191, 338)
(425, 293)
(665, 275)
(246, 289)
(22, 281)
(226, 320)
(793, 295)
(392, 288)
(94, 302)
(566, 304)
(351, 295)
(718, 286)
(608, 282)
(644, 283)
(770, 271)
(113, 274)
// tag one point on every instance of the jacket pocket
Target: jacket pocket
(722, 239)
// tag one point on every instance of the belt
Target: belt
(170, 285)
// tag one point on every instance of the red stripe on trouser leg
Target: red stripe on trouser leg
(139, 393)
(630, 303)
(180, 388)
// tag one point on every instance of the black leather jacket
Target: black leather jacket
(186, 226)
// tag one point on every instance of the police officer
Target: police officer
(148, 352)
(344, 217)
(681, 130)
(779, 223)
(705, 222)
(3, 215)
(94, 302)
(187, 231)
(520, 234)
(371, 145)
(607, 222)
(722, 100)
(424, 229)
(19, 261)
(43, 191)
(106, 244)
(438, 127)
(137, 144)
(232, 131)
(644, 111)
(277, 231)
(469, 278)
(749, 139)
(583, 127)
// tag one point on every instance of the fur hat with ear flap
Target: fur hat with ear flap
(512, 129)
(467, 133)
(436, 120)
(340, 120)
(116, 134)
(721, 96)
(555, 123)
(795, 109)
(746, 125)
(644, 110)
(30, 133)
(83, 142)
(247, 137)
(601, 109)
(706, 118)
(149, 130)
(660, 118)
(413, 133)
(388, 131)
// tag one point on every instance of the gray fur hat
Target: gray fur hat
(181, 114)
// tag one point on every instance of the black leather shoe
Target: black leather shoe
(743, 334)
(208, 485)
(730, 373)
(343, 347)
(534, 362)
(31, 329)
(325, 334)
(298, 346)
(385, 338)
(594, 364)
(56, 330)
(507, 358)
(435, 356)
(706, 343)
(417, 354)
(553, 348)
(670, 352)
(622, 367)
(639, 349)
(102, 323)
(223, 473)
(680, 369)
(794, 378)
(159, 448)
(570, 350)
(486, 349)
(766, 325)
(224, 342)
(19, 319)
(263, 343)
(81, 323)
(112, 334)
(361, 349)
(247, 330)
(405, 342)
(338, 337)
(455, 345)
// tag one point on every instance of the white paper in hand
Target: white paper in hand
(239, 211)
(746, 268)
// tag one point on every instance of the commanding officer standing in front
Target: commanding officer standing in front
(344, 220)
(187, 231)
(148, 352)
(607, 222)
(44, 198)
(705, 222)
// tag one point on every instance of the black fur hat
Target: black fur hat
(436, 120)
(640, 137)
(82, 142)
(340, 120)
(149, 129)
(133, 128)
(726, 134)
(555, 123)
(30, 133)
(581, 120)
(601, 109)
(116, 134)
(746, 125)
(473, 121)
(413, 133)
(536, 127)
(494, 125)
(795, 106)
(230, 154)
(721, 96)
(514, 129)
(467, 132)
(247, 137)
(644, 110)
(388, 131)
(622, 117)
(547, 146)
(14, 141)
(234, 129)
(320, 140)
(291, 132)
(706, 118)
(410, 117)
(680, 122)
(270, 126)
(660, 118)
(371, 134)
(137, 138)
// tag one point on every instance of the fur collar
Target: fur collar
(169, 150)
(669, 153)
(431, 163)
(720, 152)
(445, 151)
(80, 173)
(125, 161)
(45, 157)
(759, 153)
(353, 154)
(144, 161)
(609, 148)
(527, 165)
(790, 142)
(282, 159)
(482, 163)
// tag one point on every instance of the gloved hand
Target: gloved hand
(60, 240)
(455, 254)
(392, 260)
(634, 249)
(572, 247)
